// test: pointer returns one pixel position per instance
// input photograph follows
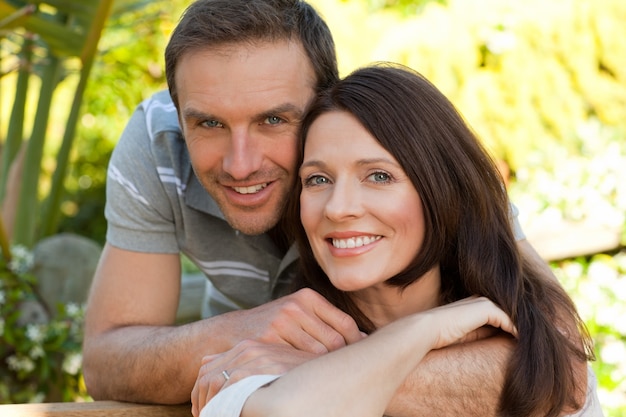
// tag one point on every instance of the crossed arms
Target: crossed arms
(134, 352)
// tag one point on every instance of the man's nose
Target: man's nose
(243, 157)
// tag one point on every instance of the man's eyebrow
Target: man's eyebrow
(191, 113)
(284, 108)
(195, 114)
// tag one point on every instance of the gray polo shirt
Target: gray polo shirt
(155, 204)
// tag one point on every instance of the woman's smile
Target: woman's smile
(354, 242)
(361, 213)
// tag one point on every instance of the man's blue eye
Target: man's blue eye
(212, 123)
(273, 120)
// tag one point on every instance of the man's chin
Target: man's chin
(252, 224)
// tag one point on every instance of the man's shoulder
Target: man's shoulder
(160, 114)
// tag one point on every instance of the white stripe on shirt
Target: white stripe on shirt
(117, 176)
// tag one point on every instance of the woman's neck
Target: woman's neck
(383, 304)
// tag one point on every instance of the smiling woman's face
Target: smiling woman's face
(359, 209)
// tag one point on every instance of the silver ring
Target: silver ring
(225, 375)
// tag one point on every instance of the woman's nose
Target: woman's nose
(344, 201)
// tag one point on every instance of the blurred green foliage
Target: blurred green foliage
(129, 69)
(597, 284)
(526, 74)
(46, 42)
(542, 83)
(40, 349)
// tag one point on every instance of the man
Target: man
(240, 74)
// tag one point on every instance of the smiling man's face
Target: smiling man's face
(240, 110)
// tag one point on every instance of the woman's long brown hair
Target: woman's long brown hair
(468, 231)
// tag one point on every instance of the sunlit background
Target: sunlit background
(543, 83)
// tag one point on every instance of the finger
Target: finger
(505, 323)
(196, 393)
(496, 317)
(202, 387)
(478, 334)
(465, 318)
(499, 319)
(260, 358)
(207, 359)
(323, 327)
(210, 378)
(339, 322)
(195, 411)
(199, 392)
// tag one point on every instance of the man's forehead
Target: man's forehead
(259, 78)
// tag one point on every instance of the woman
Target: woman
(405, 226)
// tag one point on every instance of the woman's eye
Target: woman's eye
(212, 123)
(380, 177)
(316, 180)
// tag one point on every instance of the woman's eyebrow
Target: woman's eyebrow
(313, 163)
(360, 162)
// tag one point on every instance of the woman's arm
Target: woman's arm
(360, 379)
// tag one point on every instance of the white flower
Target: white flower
(501, 41)
(2, 297)
(37, 398)
(36, 352)
(72, 363)
(34, 333)
(17, 363)
(72, 309)
(22, 260)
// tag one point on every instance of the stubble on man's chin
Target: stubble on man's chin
(247, 220)
(250, 224)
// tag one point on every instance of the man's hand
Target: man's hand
(132, 349)
(304, 320)
(245, 359)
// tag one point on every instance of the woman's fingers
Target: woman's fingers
(462, 319)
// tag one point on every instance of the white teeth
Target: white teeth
(355, 242)
(251, 189)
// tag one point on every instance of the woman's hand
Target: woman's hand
(460, 320)
(245, 359)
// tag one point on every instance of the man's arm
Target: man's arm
(133, 351)
(369, 371)
(461, 380)
(131, 308)
(360, 379)
(466, 379)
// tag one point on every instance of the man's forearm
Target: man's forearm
(461, 380)
(160, 363)
(144, 363)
